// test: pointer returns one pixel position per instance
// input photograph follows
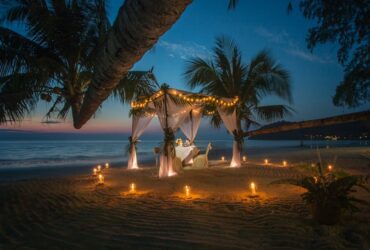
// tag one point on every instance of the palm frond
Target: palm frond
(272, 112)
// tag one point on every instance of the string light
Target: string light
(285, 163)
(266, 161)
(222, 158)
(244, 158)
(106, 165)
(330, 168)
(95, 171)
(99, 168)
(194, 99)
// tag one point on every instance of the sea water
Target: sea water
(64, 153)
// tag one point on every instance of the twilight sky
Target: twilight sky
(254, 25)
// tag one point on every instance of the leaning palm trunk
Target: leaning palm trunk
(138, 26)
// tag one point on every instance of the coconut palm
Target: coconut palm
(226, 75)
(54, 58)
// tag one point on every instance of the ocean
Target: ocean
(66, 153)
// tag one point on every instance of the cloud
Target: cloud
(185, 51)
(291, 46)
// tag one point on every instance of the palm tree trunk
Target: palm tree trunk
(139, 25)
(359, 116)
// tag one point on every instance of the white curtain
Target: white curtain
(230, 122)
(191, 124)
(175, 116)
(139, 124)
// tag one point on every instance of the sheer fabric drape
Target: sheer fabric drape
(230, 122)
(139, 124)
(191, 124)
(170, 117)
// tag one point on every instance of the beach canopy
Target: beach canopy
(178, 109)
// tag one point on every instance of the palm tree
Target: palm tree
(54, 58)
(138, 26)
(225, 75)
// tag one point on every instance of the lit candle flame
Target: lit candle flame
(99, 168)
(132, 187)
(253, 188)
(330, 167)
(101, 179)
(106, 165)
(266, 161)
(187, 190)
(222, 158)
(244, 158)
(95, 171)
(285, 163)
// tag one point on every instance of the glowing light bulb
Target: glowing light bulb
(253, 188)
(330, 168)
(101, 179)
(222, 158)
(187, 190)
(266, 161)
(95, 171)
(132, 187)
(106, 165)
(244, 158)
(285, 163)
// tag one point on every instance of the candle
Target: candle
(253, 188)
(244, 158)
(95, 171)
(101, 179)
(132, 187)
(266, 161)
(285, 163)
(330, 168)
(222, 158)
(106, 165)
(187, 190)
(99, 168)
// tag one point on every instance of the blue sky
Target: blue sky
(254, 25)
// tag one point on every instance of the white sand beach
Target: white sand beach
(72, 212)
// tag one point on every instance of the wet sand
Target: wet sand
(73, 212)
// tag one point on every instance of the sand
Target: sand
(73, 212)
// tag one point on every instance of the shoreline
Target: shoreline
(294, 155)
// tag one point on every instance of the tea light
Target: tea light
(253, 188)
(132, 187)
(330, 168)
(99, 168)
(222, 158)
(95, 171)
(187, 190)
(285, 163)
(244, 158)
(266, 161)
(106, 165)
(101, 179)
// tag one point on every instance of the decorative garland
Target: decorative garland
(169, 141)
(239, 138)
(131, 144)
